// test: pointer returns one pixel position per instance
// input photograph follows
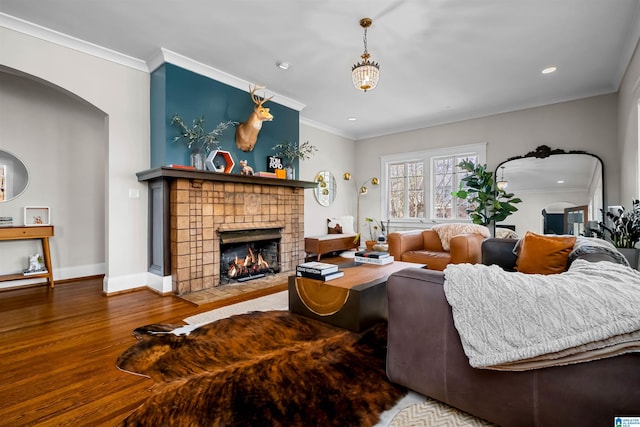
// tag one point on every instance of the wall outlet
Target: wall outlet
(134, 193)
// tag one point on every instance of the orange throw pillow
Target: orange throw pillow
(543, 254)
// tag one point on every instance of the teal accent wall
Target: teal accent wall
(175, 90)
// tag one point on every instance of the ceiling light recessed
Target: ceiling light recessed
(549, 70)
(283, 65)
(352, 119)
(561, 181)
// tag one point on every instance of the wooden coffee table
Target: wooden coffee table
(353, 302)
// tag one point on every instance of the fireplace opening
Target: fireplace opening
(249, 254)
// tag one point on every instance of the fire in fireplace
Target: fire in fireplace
(249, 254)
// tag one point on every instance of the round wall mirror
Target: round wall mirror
(13, 176)
(326, 190)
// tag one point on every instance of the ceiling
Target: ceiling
(440, 60)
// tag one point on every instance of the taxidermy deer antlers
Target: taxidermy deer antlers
(247, 132)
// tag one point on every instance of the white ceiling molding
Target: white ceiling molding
(37, 31)
(323, 127)
(164, 55)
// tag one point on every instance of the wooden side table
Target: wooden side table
(42, 232)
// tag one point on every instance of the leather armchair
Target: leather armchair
(425, 247)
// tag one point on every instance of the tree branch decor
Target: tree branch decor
(292, 151)
(196, 137)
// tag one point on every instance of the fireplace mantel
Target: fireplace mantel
(189, 209)
(169, 172)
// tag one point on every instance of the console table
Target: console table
(42, 232)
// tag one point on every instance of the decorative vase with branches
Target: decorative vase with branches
(292, 151)
(199, 141)
(487, 203)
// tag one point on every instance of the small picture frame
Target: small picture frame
(37, 215)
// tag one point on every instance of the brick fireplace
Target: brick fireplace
(189, 211)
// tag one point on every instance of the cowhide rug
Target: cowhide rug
(262, 369)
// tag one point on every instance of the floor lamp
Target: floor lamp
(360, 191)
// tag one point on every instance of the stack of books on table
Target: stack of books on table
(377, 258)
(6, 221)
(318, 271)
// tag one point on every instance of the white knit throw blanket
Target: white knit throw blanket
(505, 317)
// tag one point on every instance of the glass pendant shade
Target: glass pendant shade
(365, 75)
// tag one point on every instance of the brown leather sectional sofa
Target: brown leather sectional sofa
(425, 354)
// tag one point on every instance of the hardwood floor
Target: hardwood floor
(59, 346)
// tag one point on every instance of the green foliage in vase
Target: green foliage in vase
(486, 202)
(292, 151)
(196, 137)
(375, 227)
(624, 228)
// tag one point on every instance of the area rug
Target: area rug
(277, 301)
(432, 413)
(270, 368)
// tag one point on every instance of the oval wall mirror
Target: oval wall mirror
(13, 176)
(325, 192)
(544, 178)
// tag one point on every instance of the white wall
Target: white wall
(62, 142)
(629, 94)
(122, 93)
(335, 154)
(588, 124)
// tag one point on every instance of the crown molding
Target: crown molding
(164, 55)
(160, 57)
(323, 127)
(46, 34)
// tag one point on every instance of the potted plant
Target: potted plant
(290, 151)
(623, 231)
(487, 203)
(197, 139)
(376, 230)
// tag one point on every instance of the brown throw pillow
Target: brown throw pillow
(337, 229)
(544, 254)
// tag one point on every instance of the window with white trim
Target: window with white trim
(446, 178)
(416, 187)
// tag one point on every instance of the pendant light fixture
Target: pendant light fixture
(365, 74)
(502, 184)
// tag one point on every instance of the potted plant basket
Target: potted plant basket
(623, 230)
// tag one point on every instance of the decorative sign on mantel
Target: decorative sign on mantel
(273, 163)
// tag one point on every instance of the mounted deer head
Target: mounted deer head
(247, 132)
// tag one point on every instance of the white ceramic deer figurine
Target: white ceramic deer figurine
(247, 132)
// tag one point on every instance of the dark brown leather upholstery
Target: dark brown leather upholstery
(424, 247)
(425, 354)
